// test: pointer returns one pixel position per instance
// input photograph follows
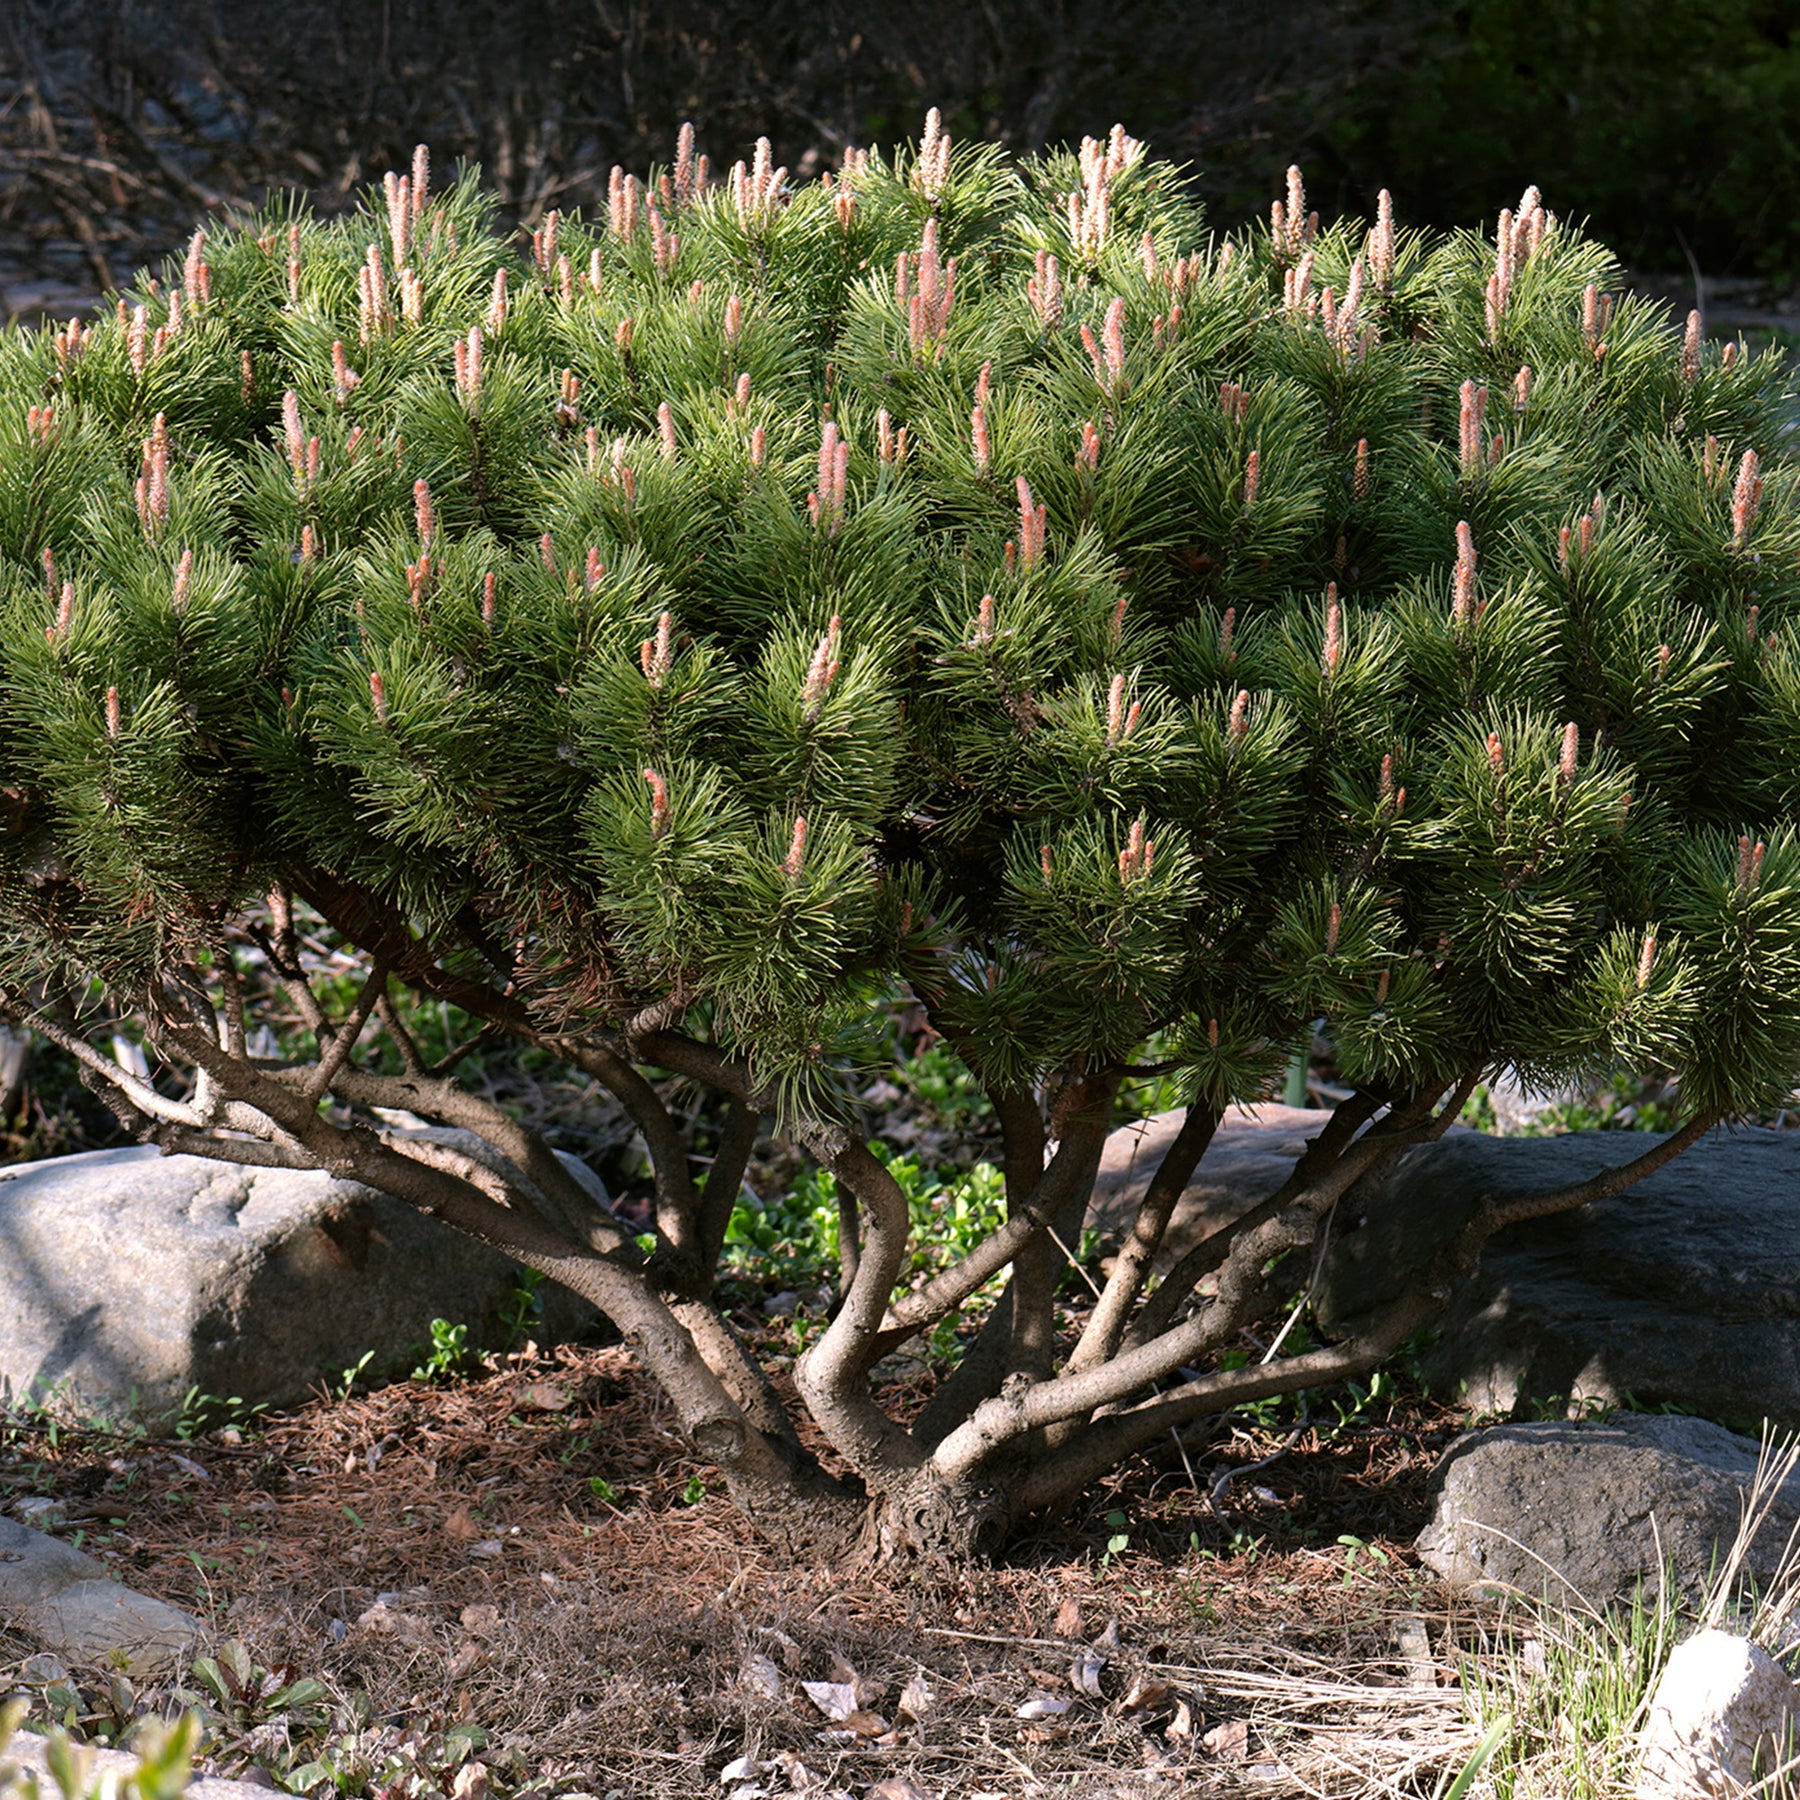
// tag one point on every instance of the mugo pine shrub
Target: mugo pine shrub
(954, 579)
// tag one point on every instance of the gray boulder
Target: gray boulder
(129, 1279)
(72, 1605)
(1684, 1290)
(1595, 1506)
(1251, 1154)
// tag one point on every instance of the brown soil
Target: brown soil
(533, 1550)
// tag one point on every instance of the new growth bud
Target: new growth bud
(1121, 721)
(656, 655)
(821, 672)
(932, 170)
(1472, 429)
(928, 307)
(153, 479)
(467, 358)
(1138, 857)
(659, 803)
(1380, 250)
(1044, 291)
(1463, 608)
(1746, 498)
(1690, 351)
(1749, 869)
(796, 855)
(827, 502)
(1033, 527)
(980, 442)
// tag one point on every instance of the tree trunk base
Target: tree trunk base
(950, 1524)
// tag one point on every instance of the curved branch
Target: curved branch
(141, 1095)
(832, 1375)
(1029, 1219)
(1106, 1324)
(1612, 1180)
(725, 1179)
(677, 1220)
(1323, 1153)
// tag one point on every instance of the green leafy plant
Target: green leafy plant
(967, 586)
(450, 1354)
(1118, 1539)
(233, 1696)
(199, 1413)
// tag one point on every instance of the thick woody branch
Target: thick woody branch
(1086, 1107)
(334, 1050)
(1030, 1218)
(1106, 1324)
(575, 1208)
(761, 1469)
(725, 1179)
(1104, 1443)
(1326, 1167)
(1609, 1181)
(1243, 1288)
(140, 1094)
(1119, 1434)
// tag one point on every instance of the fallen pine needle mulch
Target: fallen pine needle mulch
(532, 1549)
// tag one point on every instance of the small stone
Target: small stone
(1724, 1713)
(41, 1512)
(783, 1305)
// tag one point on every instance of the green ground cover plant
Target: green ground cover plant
(961, 582)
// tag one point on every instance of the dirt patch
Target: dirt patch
(531, 1551)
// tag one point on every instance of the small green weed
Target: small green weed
(1118, 1525)
(200, 1413)
(451, 1353)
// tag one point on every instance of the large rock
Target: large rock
(1684, 1290)
(1251, 1154)
(1595, 1506)
(130, 1279)
(71, 1604)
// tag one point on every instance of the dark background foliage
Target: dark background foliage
(1670, 124)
